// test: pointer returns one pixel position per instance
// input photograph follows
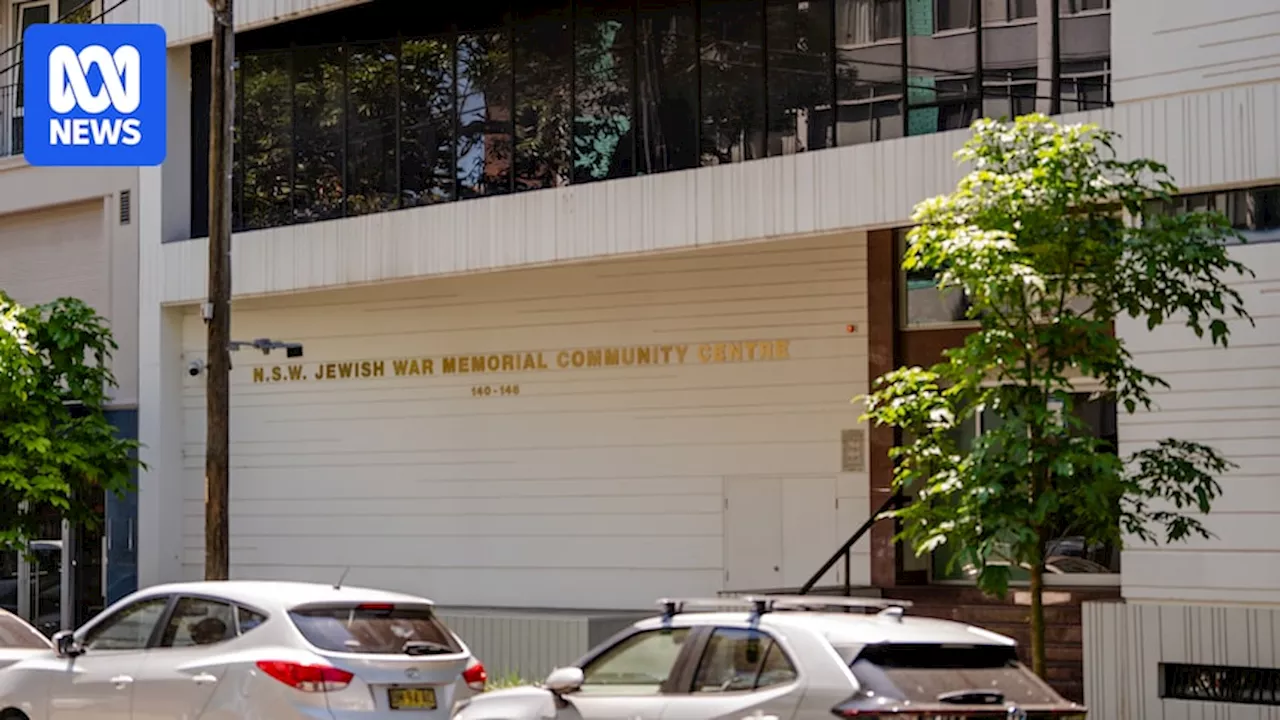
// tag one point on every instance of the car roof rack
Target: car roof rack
(761, 604)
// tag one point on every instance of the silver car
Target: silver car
(786, 658)
(240, 650)
(19, 640)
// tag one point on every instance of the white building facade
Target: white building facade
(70, 233)
(584, 289)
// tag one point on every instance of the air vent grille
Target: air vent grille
(126, 206)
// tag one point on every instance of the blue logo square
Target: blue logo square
(94, 95)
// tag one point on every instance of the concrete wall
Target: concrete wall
(695, 472)
(1164, 47)
(1207, 139)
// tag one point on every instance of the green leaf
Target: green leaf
(55, 357)
(1037, 239)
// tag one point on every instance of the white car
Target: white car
(787, 658)
(243, 650)
(18, 640)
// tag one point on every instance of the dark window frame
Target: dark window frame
(943, 22)
(773, 643)
(1015, 10)
(680, 678)
(1081, 7)
(1227, 202)
(880, 21)
(237, 608)
(90, 632)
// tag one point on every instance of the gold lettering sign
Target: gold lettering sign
(713, 353)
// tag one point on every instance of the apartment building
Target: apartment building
(69, 233)
(584, 288)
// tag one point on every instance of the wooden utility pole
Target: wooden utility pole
(217, 475)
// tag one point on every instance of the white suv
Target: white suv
(786, 658)
(245, 650)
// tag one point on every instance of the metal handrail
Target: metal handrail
(18, 45)
(846, 549)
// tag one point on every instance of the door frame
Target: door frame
(66, 580)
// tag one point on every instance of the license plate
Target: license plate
(412, 698)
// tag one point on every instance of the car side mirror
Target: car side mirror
(564, 680)
(66, 644)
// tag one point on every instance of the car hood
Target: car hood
(11, 656)
(521, 703)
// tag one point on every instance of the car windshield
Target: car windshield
(16, 634)
(954, 674)
(375, 628)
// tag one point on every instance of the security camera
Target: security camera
(195, 367)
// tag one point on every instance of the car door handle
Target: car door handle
(204, 679)
(121, 680)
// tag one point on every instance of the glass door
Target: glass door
(9, 581)
(44, 586)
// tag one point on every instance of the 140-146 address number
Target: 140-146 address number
(494, 390)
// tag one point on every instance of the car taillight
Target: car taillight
(306, 678)
(475, 676)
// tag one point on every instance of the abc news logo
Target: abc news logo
(69, 90)
(95, 95)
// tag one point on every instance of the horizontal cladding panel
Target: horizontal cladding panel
(406, 481)
(413, 476)
(438, 520)
(1244, 530)
(1204, 427)
(1207, 139)
(474, 550)
(1162, 47)
(636, 588)
(187, 21)
(1217, 574)
(1229, 399)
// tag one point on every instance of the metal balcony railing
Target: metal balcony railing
(11, 94)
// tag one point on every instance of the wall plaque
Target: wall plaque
(853, 450)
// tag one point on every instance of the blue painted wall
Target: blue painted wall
(122, 522)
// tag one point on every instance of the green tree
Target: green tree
(56, 446)
(1052, 237)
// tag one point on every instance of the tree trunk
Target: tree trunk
(1037, 618)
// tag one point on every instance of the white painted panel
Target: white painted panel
(808, 522)
(57, 252)
(610, 479)
(1229, 399)
(188, 21)
(1124, 645)
(1219, 137)
(1162, 47)
(753, 533)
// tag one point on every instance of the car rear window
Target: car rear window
(959, 674)
(16, 634)
(375, 628)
